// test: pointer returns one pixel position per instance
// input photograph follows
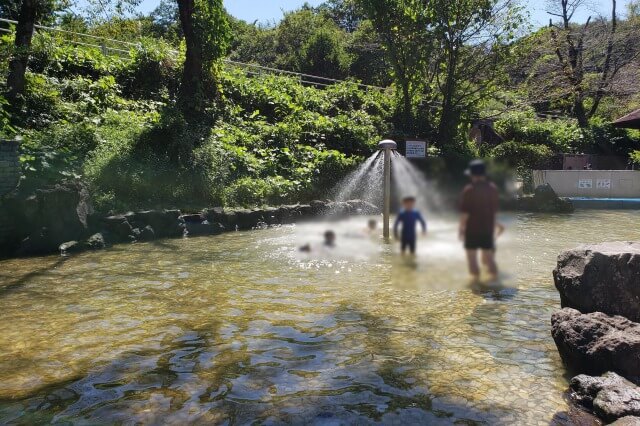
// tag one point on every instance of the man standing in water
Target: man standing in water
(479, 207)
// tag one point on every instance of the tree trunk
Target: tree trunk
(579, 112)
(406, 97)
(446, 128)
(20, 59)
(192, 74)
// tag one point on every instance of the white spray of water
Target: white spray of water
(363, 183)
(409, 181)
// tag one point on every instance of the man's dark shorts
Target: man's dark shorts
(479, 242)
(408, 243)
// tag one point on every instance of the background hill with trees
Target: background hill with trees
(172, 120)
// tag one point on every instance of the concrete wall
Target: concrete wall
(591, 183)
(9, 166)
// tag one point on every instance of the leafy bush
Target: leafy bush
(6, 129)
(250, 192)
(559, 135)
(152, 73)
(92, 96)
(522, 156)
(53, 56)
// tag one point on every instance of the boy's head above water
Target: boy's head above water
(329, 238)
(372, 224)
(408, 203)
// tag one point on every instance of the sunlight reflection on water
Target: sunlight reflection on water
(242, 327)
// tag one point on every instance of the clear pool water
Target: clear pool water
(242, 329)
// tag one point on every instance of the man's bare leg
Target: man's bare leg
(472, 261)
(489, 260)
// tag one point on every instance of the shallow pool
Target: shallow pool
(243, 328)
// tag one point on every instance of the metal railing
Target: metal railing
(106, 46)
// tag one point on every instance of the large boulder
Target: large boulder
(54, 215)
(595, 343)
(610, 396)
(601, 278)
(165, 223)
(249, 219)
(116, 228)
(545, 200)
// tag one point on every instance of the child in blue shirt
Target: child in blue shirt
(409, 217)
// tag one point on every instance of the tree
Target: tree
(345, 13)
(206, 33)
(474, 38)
(606, 52)
(324, 54)
(20, 59)
(405, 29)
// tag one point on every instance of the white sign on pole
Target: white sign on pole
(585, 183)
(416, 149)
(603, 183)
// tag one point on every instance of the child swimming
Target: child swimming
(329, 242)
(409, 217)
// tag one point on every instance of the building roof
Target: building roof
(629, 121)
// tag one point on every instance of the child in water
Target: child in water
(329, 242)
(409, 217)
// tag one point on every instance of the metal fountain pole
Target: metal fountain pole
(387, 145)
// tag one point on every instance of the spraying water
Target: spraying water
(363, 183)
(408, 180)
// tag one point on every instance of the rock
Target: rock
(617, 402)
(595, 343)
(610, 396)
(585, 388)
(117, 228)
(165, 223)
(147, 234)
(627, 421)
(135, 235)
(271, 216)
(249, 219)
(545, 200)
(319, 208)
(204, 228)
(50, 217)
(193, 218)
(70, 247)
(601, 278)
(215, 215)
(339, 210)
(364, 207)
(304, 211)
(95, 242)
(288, 214)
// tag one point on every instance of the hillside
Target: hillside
(112, 121)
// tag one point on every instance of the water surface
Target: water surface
(241, 328)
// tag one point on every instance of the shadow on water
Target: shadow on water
(273, 378)
(10, 283)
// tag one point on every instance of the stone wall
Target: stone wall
(9, 177)
(9, 166)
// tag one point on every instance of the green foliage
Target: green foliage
(522, 156)
(559, 135)
(212, 30)
(324, 53)
(250, 192)
(635, 158)
(152, 73)
(52, 56)
(6, 129)
(92, 96)
(565, 136)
